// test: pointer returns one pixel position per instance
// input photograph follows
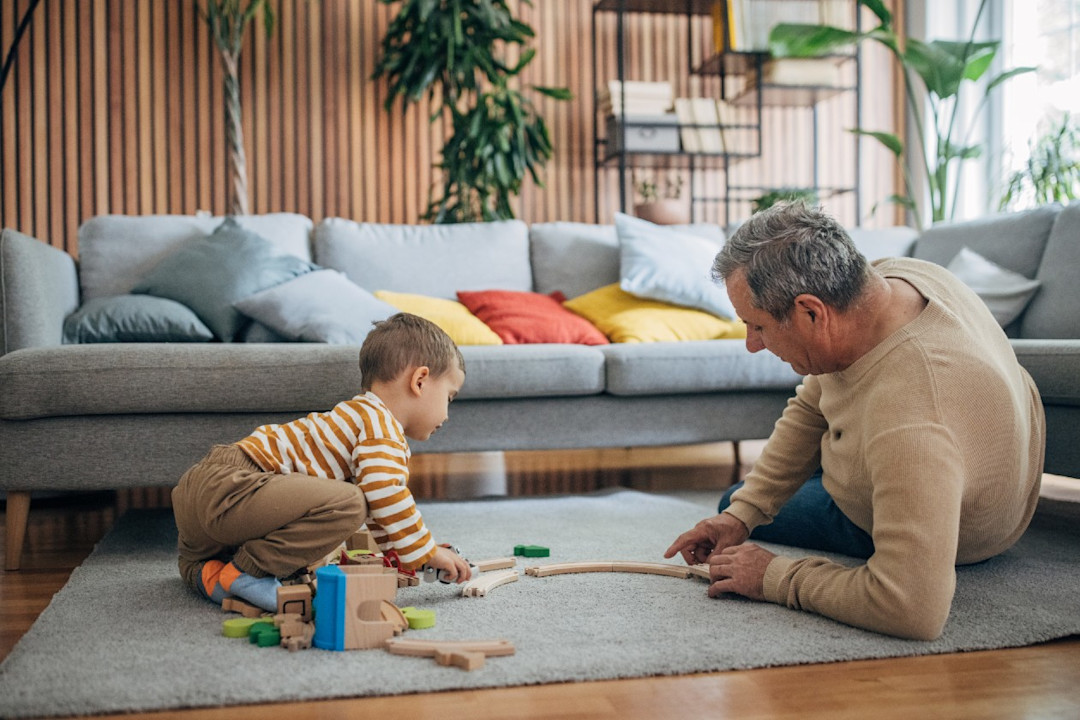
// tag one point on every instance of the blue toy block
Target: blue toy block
(329, 606)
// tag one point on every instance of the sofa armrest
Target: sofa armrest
(39, 287)
(1054, 365)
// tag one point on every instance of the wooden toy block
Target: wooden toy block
(532, 550)
(404, 580)
(479, 586)
(362, 540)
(295, 599)
(495, 564)
(349, 607)
(463, 660)
(300, 641)
(235, 604)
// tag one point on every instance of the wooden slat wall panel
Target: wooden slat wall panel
(115, 106)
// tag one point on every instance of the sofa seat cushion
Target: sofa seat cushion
(435, 260)
(1054, 365)
(175, 378)
(536, 370)
(694, 367)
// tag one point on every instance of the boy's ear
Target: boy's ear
(417, 379)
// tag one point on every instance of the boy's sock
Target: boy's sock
(220, 579)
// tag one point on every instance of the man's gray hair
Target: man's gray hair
(791, 249)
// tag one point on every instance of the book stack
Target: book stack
(809, 72)
(635, 98)
(748, 22)
(700, 128)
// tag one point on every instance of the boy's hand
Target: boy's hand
(453, 566)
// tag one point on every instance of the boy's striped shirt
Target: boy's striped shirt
(358, 439)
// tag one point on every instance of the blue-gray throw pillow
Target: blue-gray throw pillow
(134, 318)
(322, 306)
(672, 266)
(210, 274)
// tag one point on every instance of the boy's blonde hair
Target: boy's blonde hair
(405, 341)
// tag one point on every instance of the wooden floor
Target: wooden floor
(1035, 682)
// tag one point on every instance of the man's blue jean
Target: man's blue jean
(811, 520)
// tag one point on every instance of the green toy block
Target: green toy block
(532, 551)
(264, 634)
(419, 619)
(238, 627)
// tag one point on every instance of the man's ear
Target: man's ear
(417, 378)
(811, 309)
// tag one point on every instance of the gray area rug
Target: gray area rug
(125, 635)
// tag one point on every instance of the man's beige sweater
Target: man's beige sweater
(932, 443)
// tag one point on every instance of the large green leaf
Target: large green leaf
(944, 65)
(894, 144)
(1007, 75)
(800, 40)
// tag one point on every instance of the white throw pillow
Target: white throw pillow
(659, 263)
(1005, 292)
(321, 306)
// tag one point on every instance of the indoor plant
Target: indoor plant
(1051, 172)
(227, 25)
(458, 47)
(663, 207)
(942, 67)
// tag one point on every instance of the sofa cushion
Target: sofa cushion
(434, 260)
(1055, 310)
(538, 370)
(116, 251)
(576, 258)
(134, 318)
(1006, 293)
(660, 263)
(528, 317)
(462, 326)
(1014, 241)
(877, 243)
(210, 274)
(146, 378)
(625, 318)
(694, 367)
(320, 306)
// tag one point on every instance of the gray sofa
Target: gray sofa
(101, 416)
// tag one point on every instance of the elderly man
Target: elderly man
(915, 441)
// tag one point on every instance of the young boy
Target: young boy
(281, 499)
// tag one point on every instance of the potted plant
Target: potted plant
(943, 67)
(663, 207)
(770, 198)
(227, 25)
(458, 47)
(1052, 170)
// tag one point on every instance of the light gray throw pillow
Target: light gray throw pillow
(659, 263)
(321, 306)
(134, 318)
(210, 274)
(1005, 292)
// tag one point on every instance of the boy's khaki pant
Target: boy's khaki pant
(228, 508)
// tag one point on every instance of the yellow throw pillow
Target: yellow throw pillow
(626, 318)
(462, 326)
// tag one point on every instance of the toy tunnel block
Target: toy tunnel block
(295, 599)
(349, 607)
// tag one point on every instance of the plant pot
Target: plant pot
(664, 212)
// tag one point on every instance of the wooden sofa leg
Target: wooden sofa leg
(18, 510)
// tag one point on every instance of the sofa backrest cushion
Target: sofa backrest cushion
(877, 243)
(432, 260)
(1014, 241)
(117, 251)
(576, 258)
(1054, 312)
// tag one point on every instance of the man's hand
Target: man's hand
(739, 570)
(709, 536)
(454, 567)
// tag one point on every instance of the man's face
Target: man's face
(764, 332)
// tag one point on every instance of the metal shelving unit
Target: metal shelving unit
(756, 95)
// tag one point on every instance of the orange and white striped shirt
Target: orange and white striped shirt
(358, 439)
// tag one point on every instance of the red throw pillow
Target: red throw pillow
(527, 317)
